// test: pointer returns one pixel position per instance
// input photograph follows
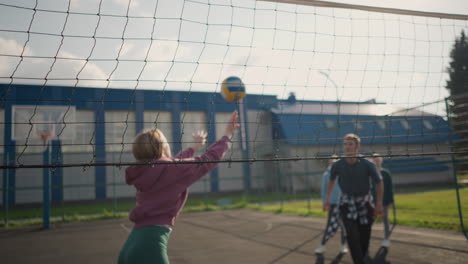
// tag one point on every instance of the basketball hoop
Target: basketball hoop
(45, 136)
(46, 121)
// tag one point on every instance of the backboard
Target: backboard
(45, 120)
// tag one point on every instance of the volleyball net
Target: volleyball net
(79, 79)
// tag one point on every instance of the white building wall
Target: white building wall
(29, 181)
(120, 131)
(294, 176)
(78, 182)
(119, 136)
(260, 146)
(115, 176)
(230, 175)
(304, 175)
(193, 121)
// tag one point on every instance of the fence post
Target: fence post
(46, 189)
(308, 173)
(5, 190)
(454, 170)
(114, 190)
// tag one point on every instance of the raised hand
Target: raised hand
(232, 124)
(199, 139)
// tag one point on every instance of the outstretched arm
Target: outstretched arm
(191, 172)
(232, 125)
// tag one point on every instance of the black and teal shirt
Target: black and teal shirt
(388, 188)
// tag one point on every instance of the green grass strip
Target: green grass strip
(433, 209)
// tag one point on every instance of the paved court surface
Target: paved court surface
(235, 236)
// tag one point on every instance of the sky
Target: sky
(446, 6)
(193, 45)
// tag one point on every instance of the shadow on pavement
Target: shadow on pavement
(338, 258)
(380, 258)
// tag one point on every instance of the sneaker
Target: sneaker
(320, 250)
(386, 243)
(343, 249)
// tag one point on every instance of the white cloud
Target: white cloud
(366, 55)
(127, 49)
(10, 47)
(62, 69)
(71, 68)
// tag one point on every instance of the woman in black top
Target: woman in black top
(387, 198)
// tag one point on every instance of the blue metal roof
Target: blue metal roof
(125, 99)
(345, 108)
(316, 129)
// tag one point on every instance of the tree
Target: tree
(458, 70)
(458, 88)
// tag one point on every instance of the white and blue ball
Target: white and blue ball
(233, 89)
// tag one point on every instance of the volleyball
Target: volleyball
(233, 89)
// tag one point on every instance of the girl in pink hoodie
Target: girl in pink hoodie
(162, 189)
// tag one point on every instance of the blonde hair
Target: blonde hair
(376, 156)
(150, 144)
(353, 137)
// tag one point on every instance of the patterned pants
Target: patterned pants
(333, 222)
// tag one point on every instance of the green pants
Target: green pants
(146, 245)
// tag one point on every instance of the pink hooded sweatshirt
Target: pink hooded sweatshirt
(162, 189)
